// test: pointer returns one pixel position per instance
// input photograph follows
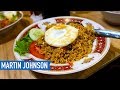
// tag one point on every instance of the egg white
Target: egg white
(61, 37)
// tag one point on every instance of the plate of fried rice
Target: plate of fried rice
(68, 42)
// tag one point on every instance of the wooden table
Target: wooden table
(6, 51)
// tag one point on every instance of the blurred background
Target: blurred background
(108, 67)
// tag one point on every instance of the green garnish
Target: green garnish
(2, 16)
(22, 46)
(14, 18)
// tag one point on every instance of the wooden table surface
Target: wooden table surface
(6, 50)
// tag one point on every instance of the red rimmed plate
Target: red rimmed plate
(100, 48)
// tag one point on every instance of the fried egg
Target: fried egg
(61, 35)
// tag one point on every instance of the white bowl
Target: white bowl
(112, 17)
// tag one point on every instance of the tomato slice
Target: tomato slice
(35, 50)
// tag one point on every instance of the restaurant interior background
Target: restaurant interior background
(107, 68)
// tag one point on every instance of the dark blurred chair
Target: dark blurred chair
(48, 13)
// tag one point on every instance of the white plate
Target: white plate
(101, 46)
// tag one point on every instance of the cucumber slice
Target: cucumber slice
(35, 33)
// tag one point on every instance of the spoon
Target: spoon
(108, 33)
